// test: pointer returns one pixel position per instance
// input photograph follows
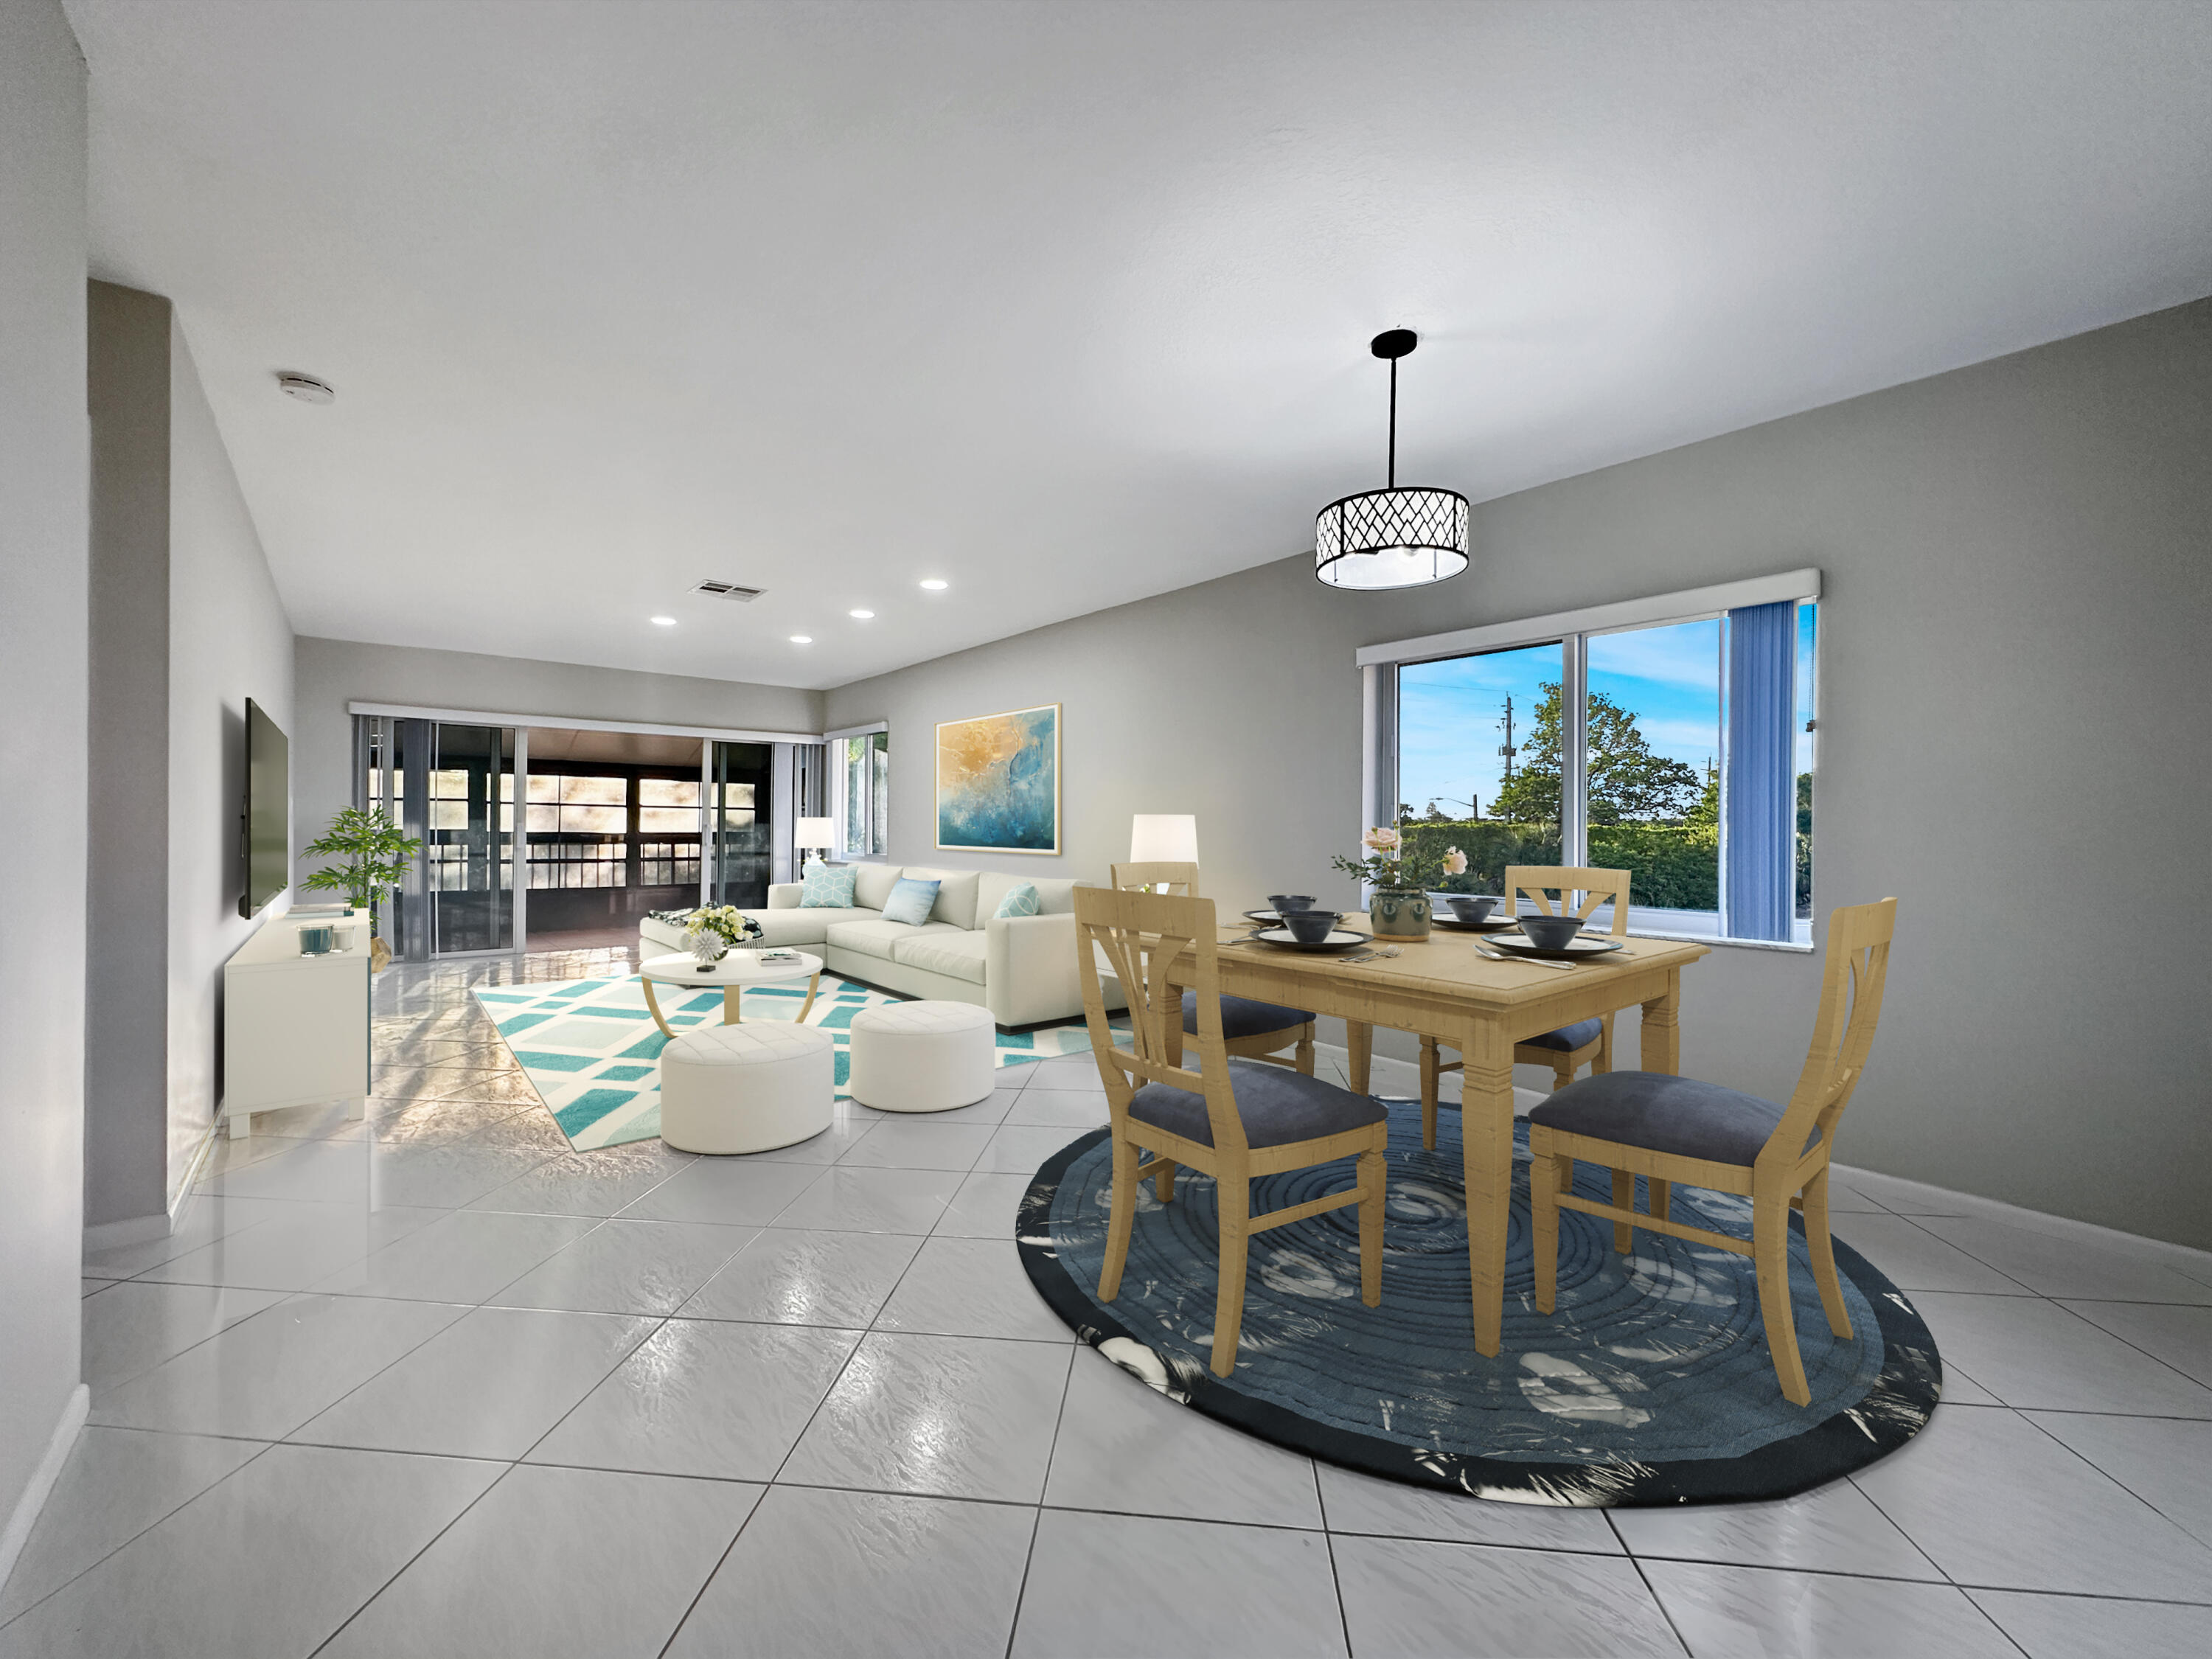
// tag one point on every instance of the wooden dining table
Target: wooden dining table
(1442, 988)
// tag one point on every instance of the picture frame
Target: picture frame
(998, 782)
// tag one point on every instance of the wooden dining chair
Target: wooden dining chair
(1567, 1050)
(1228, 1118)
(1670, 1129)
(1256, 1030)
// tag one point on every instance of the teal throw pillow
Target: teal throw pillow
(825, 888)
(1021, 900)
(910, 901)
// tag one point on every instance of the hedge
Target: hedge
(1672, 866)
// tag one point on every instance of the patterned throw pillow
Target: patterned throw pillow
(826, 888)
(910, 901)
(1021, 900)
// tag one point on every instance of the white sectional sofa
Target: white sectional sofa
(1023, 969)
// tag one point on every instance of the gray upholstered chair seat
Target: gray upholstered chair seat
(1567, 1038)
(1664, 1114)
(1241, 1017)
(1277, 1107)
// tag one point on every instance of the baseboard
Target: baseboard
(138, 1229)
(26, 1516)
(2190, 1260)
(2196, 1262)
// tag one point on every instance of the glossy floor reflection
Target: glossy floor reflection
(432, 1384)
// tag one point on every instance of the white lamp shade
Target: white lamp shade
(1163, 838)
(815, 832)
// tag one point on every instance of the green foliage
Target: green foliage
(1672, 866)
(375, 854)
(1628, 783)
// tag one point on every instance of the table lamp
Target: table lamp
(817, 833)
(1163, 838)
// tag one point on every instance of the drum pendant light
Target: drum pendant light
(1392, 537)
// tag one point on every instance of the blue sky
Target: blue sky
(1449, 713)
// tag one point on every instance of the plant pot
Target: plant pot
(1398, 913)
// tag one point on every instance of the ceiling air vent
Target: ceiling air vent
(728, 591)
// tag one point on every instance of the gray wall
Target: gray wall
(43, 657)
(229, 640)
(185, 626)
(2018, 581)
(127, 889)
(332, 673)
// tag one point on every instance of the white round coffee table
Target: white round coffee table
(732, 974)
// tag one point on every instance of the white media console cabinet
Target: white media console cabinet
(295, 1028)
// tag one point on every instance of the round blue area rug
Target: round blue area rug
(1651, 1384)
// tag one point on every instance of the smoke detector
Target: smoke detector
(306, 387)
(728, 591)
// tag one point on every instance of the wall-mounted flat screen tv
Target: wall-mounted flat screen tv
(265, 824)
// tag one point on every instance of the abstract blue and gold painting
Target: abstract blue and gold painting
(998, 781)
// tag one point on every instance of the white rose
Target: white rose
(1454, 861)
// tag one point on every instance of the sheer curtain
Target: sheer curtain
(1759, 789)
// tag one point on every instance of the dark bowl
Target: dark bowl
(1477, 908)
(1284, 903)
(1551, 932)
(1309, 926)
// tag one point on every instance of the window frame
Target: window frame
(1572, 631)
(838, 784)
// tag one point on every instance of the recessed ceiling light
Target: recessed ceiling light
(802, 639)
(861, 615)
(663, 621)
(934, 585)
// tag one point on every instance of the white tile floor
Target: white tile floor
(434, 1385)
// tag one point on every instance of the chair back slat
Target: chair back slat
(1851, 985)
(1174, 876)
(1596, 886)
(1136, 936)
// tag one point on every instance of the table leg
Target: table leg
(654, 1003)
(1359, 1040)
(241, 1125)
(1662, 1036)
(733, 1012)
(807, 1006)
(1486, 1127)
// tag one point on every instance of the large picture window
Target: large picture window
(1672, 737)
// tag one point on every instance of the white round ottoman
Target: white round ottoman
(923, 1056)
(747, 1088)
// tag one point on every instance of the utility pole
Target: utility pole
(1507, 749)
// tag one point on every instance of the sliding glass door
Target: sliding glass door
(452, 787)
(740, 823)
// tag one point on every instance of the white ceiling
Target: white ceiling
(1066, 304)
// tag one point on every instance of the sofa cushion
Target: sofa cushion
(1662, 1112)
(872, 884)
(956, 956)
(876, 936)
(1054, 898)
(827, 887)
(956, 893)
(911, 901)
(1021, 900)
(1567, 1038)
(1277, 1106)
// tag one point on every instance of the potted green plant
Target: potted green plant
(1400, 906)
(376, 855)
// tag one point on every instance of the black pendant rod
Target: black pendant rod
(1394, 423)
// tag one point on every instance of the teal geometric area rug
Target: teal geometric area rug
(1652, 1384)
(592, 1051)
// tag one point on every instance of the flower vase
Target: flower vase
(707, 946)
(1398, 913)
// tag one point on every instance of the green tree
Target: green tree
(1628, 783)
